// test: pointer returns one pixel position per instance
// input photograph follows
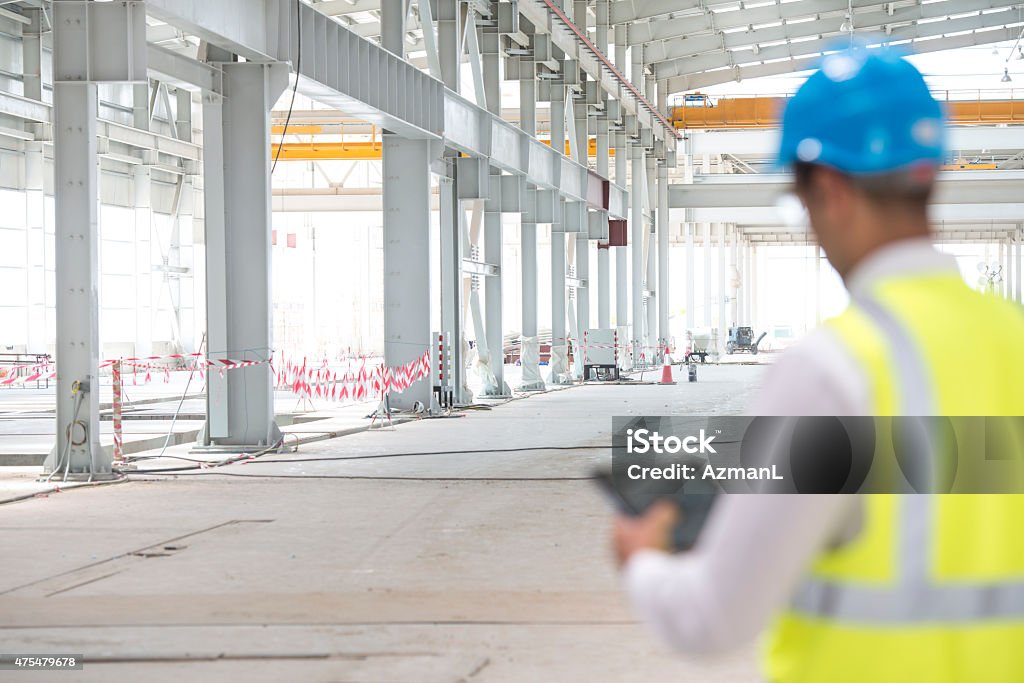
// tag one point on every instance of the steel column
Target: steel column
(733, 275)
(580, 109)
(558, 299)
(1017, 257)
(36, 253)
(722, 298)
(147, 283)
(490, 49)
(452, 220)
(601, 142)
(407, 260)
(392, 25)
(32, 55)
(754, 287)
(77, 260)
(528, 247)
(493, 297)
(449, 42)
(602, 23)
(691, 279)
(558, 117)
(817, 285)
(663, 247)
(708, 297)
(239, 308)
(583, 290)
(604, 318)
(638, 228)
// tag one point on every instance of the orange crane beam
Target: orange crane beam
(763, 112)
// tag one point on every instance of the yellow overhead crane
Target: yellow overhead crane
(702, 111)
(357, 150)
(697, 111)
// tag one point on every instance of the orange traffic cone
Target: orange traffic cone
(666, 370)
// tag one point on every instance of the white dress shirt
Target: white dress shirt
(755, 548)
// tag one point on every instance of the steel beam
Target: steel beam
(239, 307)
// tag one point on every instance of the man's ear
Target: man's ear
(834, 190)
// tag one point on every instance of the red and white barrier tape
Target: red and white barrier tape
(146, 365)
(332, 384)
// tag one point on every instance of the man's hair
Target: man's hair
(911, 186)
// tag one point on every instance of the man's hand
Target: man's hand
(651, 530)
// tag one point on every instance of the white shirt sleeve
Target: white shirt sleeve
(755, 548)
(744, 568)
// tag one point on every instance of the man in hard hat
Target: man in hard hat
(878, 587)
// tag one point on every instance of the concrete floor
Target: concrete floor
(449, 567)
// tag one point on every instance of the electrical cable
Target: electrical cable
(298, 69)
(65, 459)
(377, 456)
(372, 478)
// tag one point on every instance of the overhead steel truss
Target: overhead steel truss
(691, 44)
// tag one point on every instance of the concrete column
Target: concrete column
(663, 274)
(604, 318)
(407, 260)
(449, 42)
(723, 322)
(392, 25)
(582, 293)
(691, 279)
(236, 132)
(708, 298)
(493, 297)
(637, 229)
(77, 273)
(147, 283)
(651, 285)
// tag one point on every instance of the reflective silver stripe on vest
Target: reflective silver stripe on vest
(913, 597)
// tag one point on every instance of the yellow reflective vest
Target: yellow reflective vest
(932, 587)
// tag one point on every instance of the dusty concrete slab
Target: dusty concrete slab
(359, 558)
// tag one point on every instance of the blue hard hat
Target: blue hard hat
(864, 111)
